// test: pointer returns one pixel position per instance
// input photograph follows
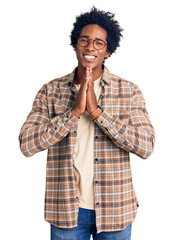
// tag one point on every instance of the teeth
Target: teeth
(89, 57)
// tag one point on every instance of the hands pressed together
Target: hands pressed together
(86, 98)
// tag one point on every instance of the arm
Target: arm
(39, 131)
(138, 136)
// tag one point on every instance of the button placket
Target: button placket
(96, 169)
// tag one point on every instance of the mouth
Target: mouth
(89, 58)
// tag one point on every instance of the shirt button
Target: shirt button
(55, 128)
(97, 203)
(96, 137)
(96, 159)
(75, 132)
(101, 122)
(96, 181)
(67, 116)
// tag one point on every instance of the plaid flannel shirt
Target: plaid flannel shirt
(123, 127)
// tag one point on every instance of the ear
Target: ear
(107, 54)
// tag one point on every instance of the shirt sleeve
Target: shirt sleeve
(138, 136)
(40, 131)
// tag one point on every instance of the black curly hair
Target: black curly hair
(103, 19)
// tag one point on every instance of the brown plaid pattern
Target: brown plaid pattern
(124, 126)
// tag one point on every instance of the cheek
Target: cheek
(78, 54)
(102, 57)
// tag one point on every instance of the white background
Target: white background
(34, 49)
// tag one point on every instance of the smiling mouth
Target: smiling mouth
(89, 57)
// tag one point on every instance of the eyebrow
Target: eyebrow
(88, 37)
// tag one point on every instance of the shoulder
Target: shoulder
(127, 87)
(117, 80)
(60, 82)
(54, 87)
(122, 83)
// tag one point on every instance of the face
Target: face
(89, 56)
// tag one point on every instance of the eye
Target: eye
(99, 43)
(83, 40)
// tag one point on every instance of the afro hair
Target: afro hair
(104, 20)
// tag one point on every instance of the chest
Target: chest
(115, 100)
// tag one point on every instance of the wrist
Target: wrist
(76, 113)
(92, 109)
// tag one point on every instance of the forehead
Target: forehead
(94, 31)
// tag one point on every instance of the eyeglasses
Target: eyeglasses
(97, 43)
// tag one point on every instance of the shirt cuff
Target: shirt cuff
(108, 123)
(69, 118)
(62, 124)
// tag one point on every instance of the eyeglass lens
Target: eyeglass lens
(97, 43)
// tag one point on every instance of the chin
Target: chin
(88, 65)
(94, 66)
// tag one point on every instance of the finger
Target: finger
(88, 76)
(87, 72)
(90, 69)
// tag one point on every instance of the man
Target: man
(90, 120)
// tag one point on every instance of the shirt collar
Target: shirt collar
(105, 79)
(106, 76)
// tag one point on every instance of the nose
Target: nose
(90, 46)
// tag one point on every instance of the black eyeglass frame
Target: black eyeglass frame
(93, 41)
